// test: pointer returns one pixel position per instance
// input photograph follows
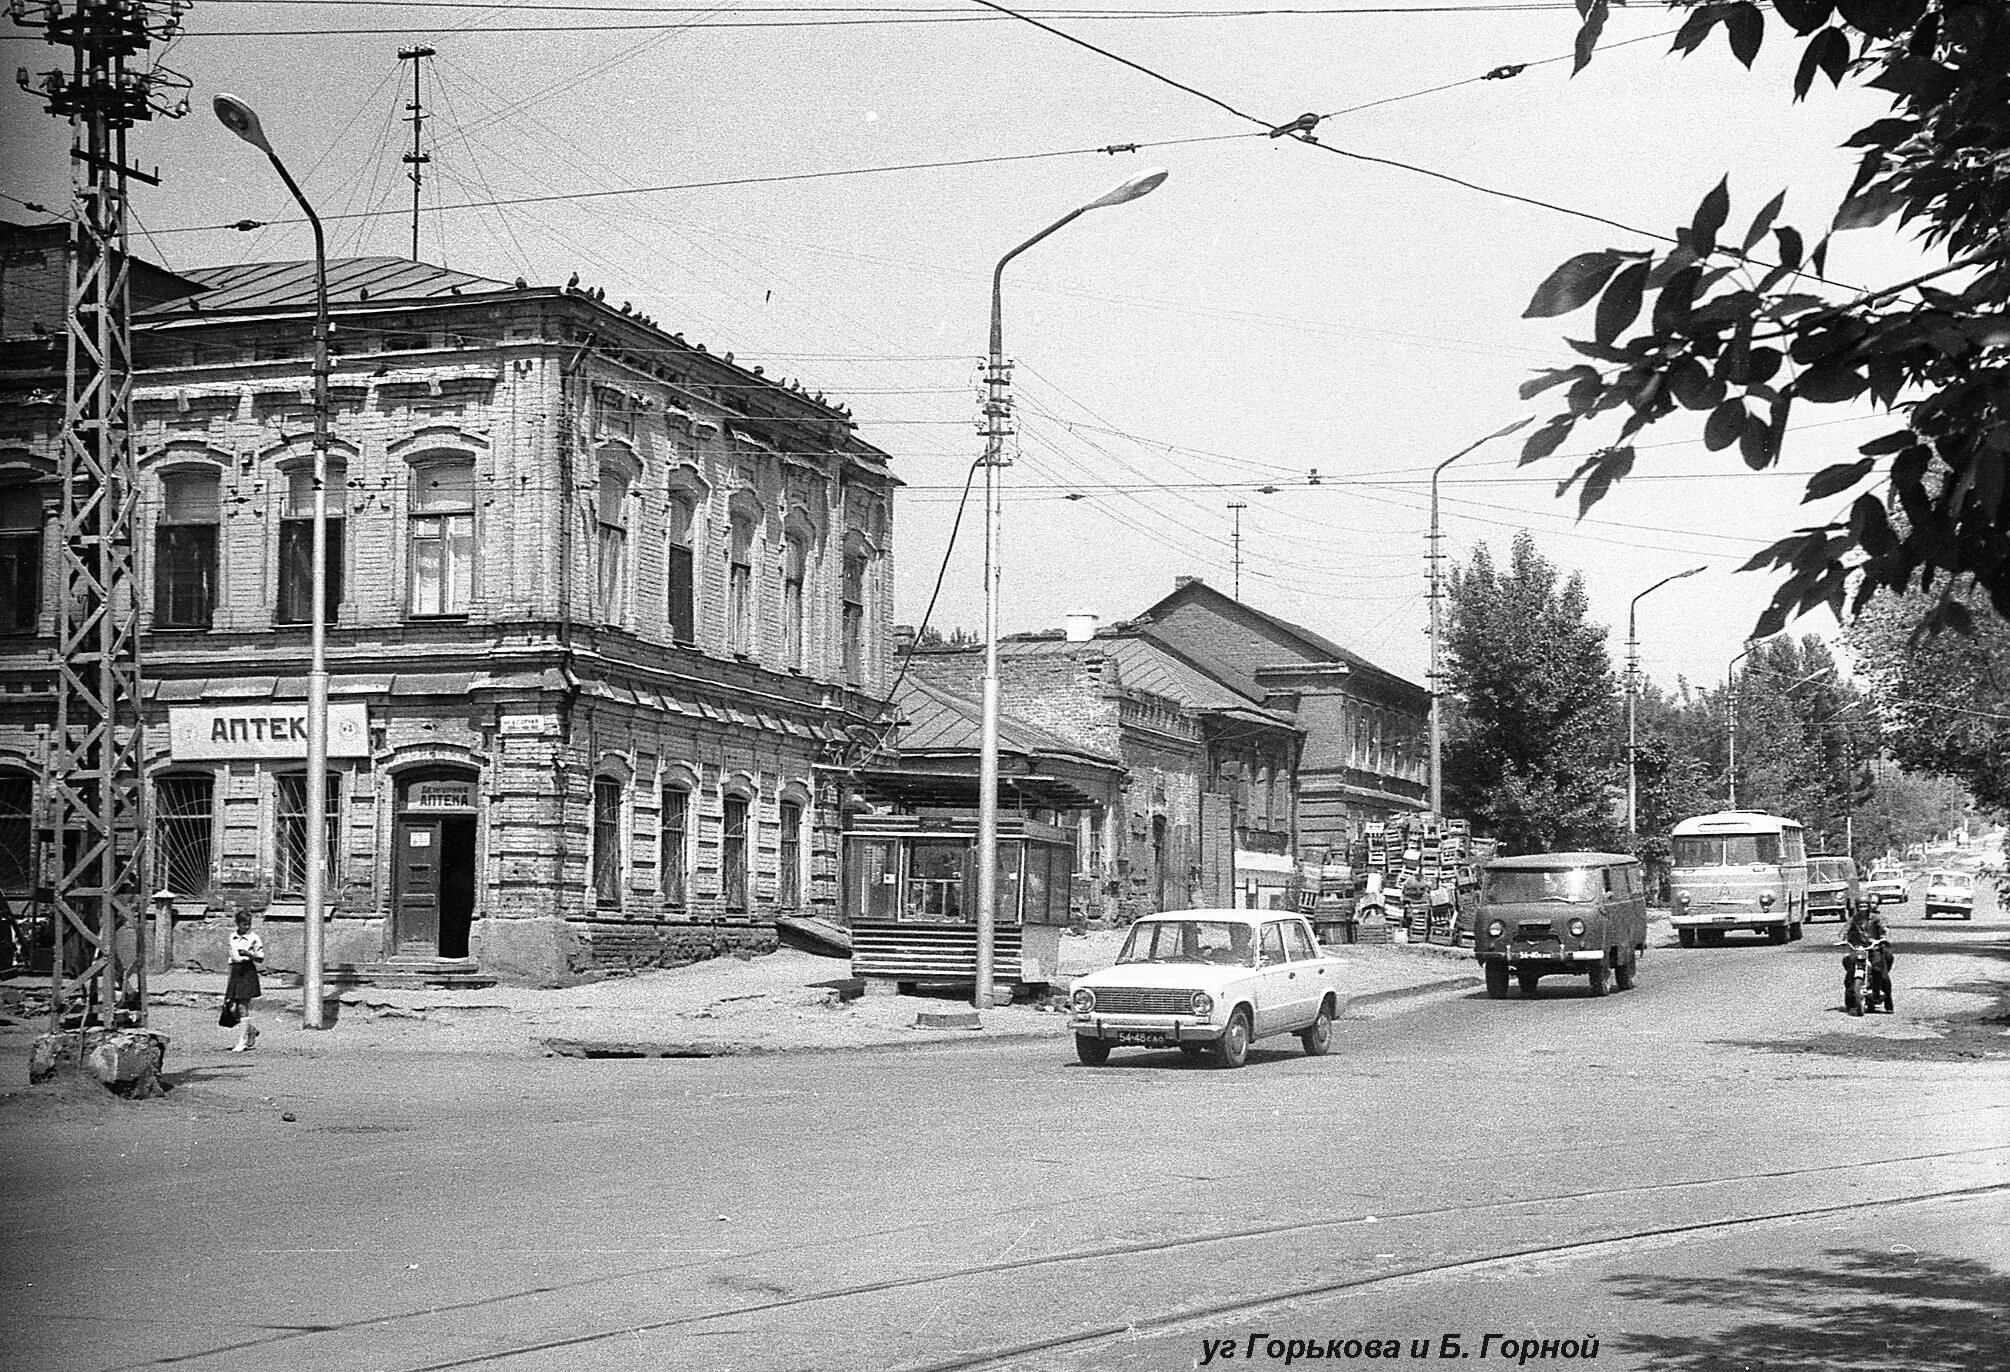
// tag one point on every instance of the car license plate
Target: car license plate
(1144, 1040)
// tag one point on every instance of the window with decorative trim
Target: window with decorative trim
(612, 544)
(185, 568)
(20, 559)
(296, 544)
(733, 855)
(854, 615)
(795, 565)
(789, 890)
(740, 587)
(443, 537)
(676, 838)
(607, 841)
(681, 576)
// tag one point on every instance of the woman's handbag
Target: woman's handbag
(228, 1016)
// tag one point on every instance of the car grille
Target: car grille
(1127, 1000)
(1529, 933)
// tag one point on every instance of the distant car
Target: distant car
(1949, 892)
(1887, 885)
(1209, 982)
(1833, 887)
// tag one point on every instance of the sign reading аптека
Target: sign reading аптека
(266, 730)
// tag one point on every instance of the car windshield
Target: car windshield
(1830, 870)
(1578, 885)
(1952, 879)
(1225, 942)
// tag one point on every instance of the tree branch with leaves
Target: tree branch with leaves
(1745, 328)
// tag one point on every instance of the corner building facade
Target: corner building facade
(606, 612)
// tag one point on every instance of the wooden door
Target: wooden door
(418, 887)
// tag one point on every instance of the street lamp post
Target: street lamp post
(1632, 693)
(241, 120)
(1731, 711)
(997, 410)
(1432, 557)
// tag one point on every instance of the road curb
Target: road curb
(1421, 989)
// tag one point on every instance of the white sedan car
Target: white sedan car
(1209, 982)
(1950, 892)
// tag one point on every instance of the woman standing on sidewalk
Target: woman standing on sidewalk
(247, 950)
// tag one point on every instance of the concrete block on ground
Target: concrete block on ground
(948, 1019)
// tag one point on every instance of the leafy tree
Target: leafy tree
(1805, 738)
(1945, 700)
(1745, 328)
(1534, 749)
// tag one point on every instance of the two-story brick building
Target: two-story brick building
(1366, 730)
(605, 611)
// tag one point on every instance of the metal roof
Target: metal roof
(935, 720)
(351, 281)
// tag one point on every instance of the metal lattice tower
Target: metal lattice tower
(91, 779)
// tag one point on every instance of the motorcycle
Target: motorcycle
(1866, 976)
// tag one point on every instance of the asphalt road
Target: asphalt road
(1715, 1170)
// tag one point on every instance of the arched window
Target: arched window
(676, 854)
(854, 615)
(184, 831)
(296, 544)
(740, 587)
(682, 574)
(795, 562)
(733, 855)
(612, 545)
(607, 836)
(185, 572)
(443, 536)
(789, 893)
(20, 559)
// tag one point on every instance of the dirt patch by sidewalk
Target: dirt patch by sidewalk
(776, 1002)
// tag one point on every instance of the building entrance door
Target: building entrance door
(434, 870)
(418, 905)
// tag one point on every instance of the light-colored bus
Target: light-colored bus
(1737, 869)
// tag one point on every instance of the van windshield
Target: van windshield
(1578, 885)
(1726, 850)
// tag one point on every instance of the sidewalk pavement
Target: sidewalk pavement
(778, 1002)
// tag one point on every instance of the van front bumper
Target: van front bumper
(1536, 959)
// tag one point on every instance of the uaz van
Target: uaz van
(1833, 887)
(1561, 914)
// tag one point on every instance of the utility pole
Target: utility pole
(1235, 540)
(91, 784)
(417, 119)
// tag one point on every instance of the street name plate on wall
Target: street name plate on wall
(268, 730)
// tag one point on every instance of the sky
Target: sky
(1273, 310)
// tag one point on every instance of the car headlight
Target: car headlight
(1084, 1001)
(1576, 928)
(1766, 901)
(1684, 898)
(1495, 928)
(1203, 1004)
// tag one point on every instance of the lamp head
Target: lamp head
(1144, 183)
(241, 120)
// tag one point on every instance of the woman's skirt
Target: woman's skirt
(243, 984)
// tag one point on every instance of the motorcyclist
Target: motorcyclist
(1866, 930)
